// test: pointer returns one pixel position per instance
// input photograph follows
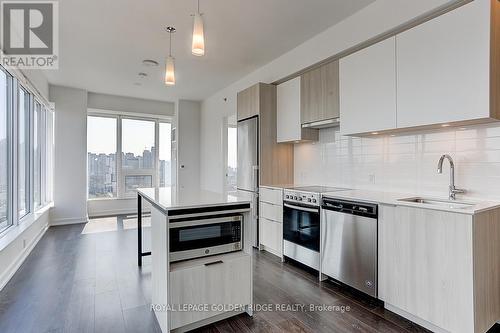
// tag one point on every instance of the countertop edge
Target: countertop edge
(484, 205)
(201, 205)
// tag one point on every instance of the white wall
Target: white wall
(188, 145)
(405, 163)
(38, 80)
(70, 167)
(130, 104)
(377, 18)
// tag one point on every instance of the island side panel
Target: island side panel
(248, 248)
(160, 267)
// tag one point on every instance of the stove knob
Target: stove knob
(287, 196)
(314, 200)
(300, 198)
(308, 199)
(295, 198)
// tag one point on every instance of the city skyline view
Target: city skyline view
(102, 175)
(138, 154)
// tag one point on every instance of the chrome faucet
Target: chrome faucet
(453, 189)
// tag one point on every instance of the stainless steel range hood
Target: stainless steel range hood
(333, 122)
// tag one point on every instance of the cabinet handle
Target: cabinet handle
(214, 263)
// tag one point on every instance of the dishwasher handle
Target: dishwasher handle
(351, 207)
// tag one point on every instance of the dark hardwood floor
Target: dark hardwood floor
(84, 278)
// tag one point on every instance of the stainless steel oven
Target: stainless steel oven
(301, 236)
(204, 236)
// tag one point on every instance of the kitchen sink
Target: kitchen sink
(451, 204)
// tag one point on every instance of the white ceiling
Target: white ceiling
(103, 42)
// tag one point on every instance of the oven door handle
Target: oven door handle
(311, 210)
(192, 223)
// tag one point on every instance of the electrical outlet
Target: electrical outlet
(24, 243)
(371, 178)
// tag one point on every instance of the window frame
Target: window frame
(120, 173)
(11, 132)
(122, 192)
(15, 82)
(29, 166)
(172, 138)
(118, 148)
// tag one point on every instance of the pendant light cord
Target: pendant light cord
(198, 6)
(170, 45)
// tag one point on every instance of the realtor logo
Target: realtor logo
(29, 36)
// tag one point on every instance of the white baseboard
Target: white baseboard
(69, 220)
(415, 319)
(12, 269)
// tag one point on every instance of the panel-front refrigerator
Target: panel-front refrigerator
(248, 168)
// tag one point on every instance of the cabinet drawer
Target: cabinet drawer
(271, 236)
(217, 281)
(272, 196)
(271, 212)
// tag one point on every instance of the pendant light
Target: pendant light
(198, 45)
(169, 63)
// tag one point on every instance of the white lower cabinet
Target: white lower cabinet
(271, 212)
(426, 265)
(271, 220)
(272, 236)
(218, 280)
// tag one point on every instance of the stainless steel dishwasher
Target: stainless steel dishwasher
(349, 243)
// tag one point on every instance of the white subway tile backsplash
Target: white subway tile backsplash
(405, 162)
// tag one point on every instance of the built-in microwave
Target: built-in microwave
(204, 236)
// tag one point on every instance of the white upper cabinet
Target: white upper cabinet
(368, 89)
(443, 68)
(289, 128)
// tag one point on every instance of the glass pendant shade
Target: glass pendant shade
(170, 71)
(198, 46)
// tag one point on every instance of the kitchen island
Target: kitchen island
(201, 256)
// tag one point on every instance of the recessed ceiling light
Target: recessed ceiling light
(150, 63)
(445, 125)
(463, 128)
(374, 133)
(142, 74)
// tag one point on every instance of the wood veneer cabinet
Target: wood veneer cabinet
(275, 160)
(440, 267)
(319, 93)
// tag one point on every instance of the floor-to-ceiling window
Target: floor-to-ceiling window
(123, 155)
(230, 153)
(37, 153)
(101, 157)
(23, 152)
(232, 161)
(165, 150)
(138, 155)
(5, 100)
(26, 151)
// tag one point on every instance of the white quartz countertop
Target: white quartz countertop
(391, 198)
(169, 198)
